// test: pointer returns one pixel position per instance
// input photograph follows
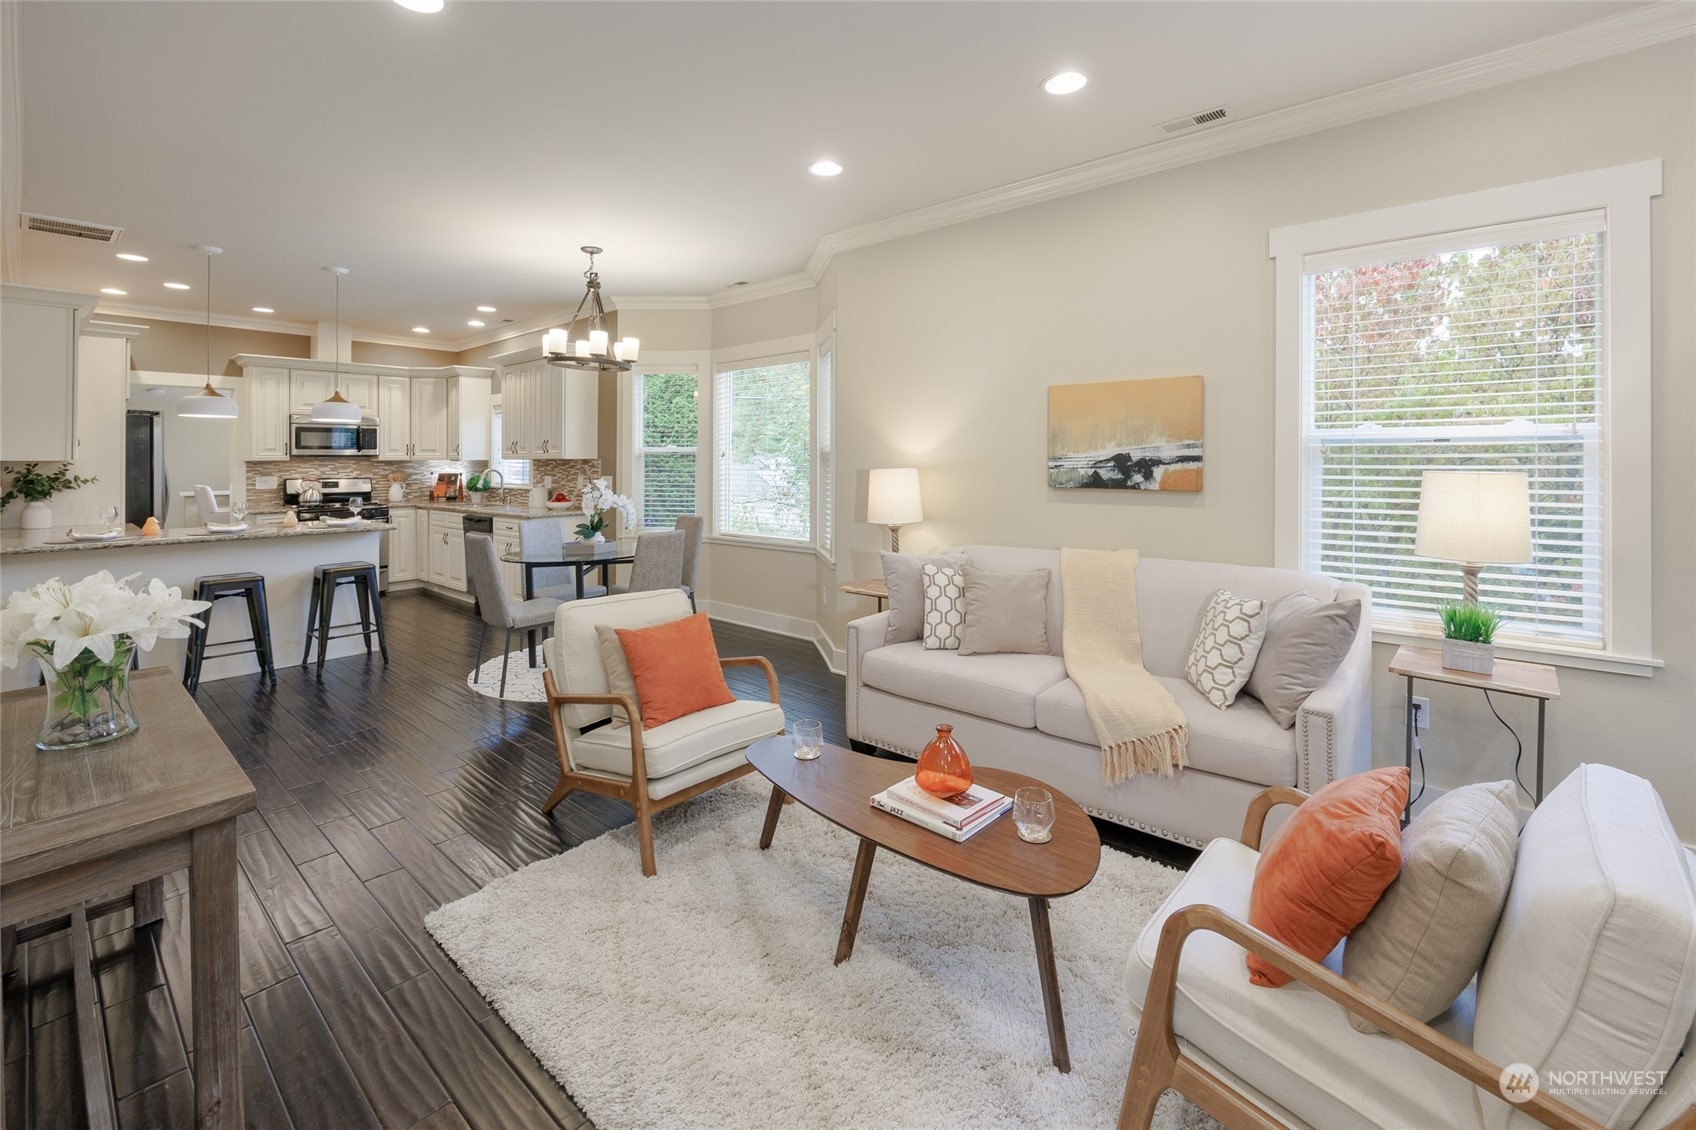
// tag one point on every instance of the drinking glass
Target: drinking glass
(809, 739)
(1033, 815)
(109, 515)
(355, 505)
(238, 512)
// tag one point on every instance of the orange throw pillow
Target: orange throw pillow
(676, 669)
(1327, 867)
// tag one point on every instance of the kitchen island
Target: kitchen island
(178, 556)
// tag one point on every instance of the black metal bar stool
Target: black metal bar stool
(250, 586)
(326, 579)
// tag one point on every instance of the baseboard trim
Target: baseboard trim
(792, 626)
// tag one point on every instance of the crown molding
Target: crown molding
(770, 288)
(662, 302)
(228, 321)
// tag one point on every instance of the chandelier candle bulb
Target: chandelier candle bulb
(598, 342)
(631, 348)
(555, 341)
(582, 347)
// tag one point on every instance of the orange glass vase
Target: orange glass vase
(943, 769)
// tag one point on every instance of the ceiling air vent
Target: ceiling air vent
(1205, 118)
(77, 229)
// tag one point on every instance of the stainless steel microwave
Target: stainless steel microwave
(308, 438)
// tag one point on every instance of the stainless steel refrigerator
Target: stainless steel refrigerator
(146, 492)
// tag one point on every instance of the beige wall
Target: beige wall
(411, 356)
(180, 347)
(948, 340)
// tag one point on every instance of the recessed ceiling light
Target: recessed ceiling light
(1066, 82)
(112, 290)
(476, 322)
(824, 168)
(485, 309)
(127, 257)
(428, 7)
(263, 310)
(177, 286)
(420, 329)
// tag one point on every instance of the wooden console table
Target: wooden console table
(77, 825)
(876, 588)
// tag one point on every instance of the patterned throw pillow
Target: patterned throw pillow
(1222, 657)
(945, 607)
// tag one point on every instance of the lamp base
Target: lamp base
(895, 539)
(1469, 583)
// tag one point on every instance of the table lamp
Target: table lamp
(892, 499)
(1476, 518)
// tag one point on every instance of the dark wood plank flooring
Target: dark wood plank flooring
(383, 793)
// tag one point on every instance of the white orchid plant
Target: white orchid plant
(598, 500)
(85, 632)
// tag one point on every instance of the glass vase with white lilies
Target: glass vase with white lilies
(599, 499)
(83, 635)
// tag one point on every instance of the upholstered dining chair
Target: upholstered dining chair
(693, 525)
(496, 607)
(659, 562)
(541, 537)
(207, 502)
(598, 734)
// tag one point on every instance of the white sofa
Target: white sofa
(1021, 712)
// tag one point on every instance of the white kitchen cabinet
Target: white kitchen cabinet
(469, 410)
(361, 389)
(403, 544)
(394, 417)
(549, 412)
(309, 387)
(429, 417)
(38, 371)
(506, 541)
(267, 412)
(447, 552)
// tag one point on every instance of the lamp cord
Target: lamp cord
(208, 317)
(1519, 746)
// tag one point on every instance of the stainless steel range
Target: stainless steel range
(330, 498)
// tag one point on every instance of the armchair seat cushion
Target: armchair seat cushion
(1242, 741)
(1292, 1045)
(681, 743)
(1003, 688)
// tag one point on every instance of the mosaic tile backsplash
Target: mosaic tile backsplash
(420, 475)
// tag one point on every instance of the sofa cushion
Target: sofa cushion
(945, 606)
(1242, 742)
(1293, 1046)
(682, 742)
(907, 592)
(1594, 962)
(675, 668)
(1005, 612)
(573, 652)
(1003, 688)
(1426, 938)
(1305, 643)
(1018, 559)
(1171, 596)
(1225, 647)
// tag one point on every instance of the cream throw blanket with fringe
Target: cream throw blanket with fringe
(1141, 729)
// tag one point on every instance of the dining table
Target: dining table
(579, 557)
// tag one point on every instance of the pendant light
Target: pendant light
(337, 410)
(594, 352)
(208, 403)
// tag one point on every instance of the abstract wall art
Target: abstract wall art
(1126, 435)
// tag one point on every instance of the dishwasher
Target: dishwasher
(476, 524)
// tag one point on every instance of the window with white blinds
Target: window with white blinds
(763, 449)
(513, 471)
(825, 461)
(1474, 350)
(667, 438)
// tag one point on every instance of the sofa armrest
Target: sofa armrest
(1159, 1063)
(865, 634)
(1334, 726)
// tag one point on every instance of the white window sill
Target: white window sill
(1582, 658)
(761, 543)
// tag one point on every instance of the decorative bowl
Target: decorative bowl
(561, 505)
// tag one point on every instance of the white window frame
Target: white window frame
(630, 421)
(775, 352)
(495, 407)
(824, 441)
(1623, 192)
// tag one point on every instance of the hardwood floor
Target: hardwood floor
(383, 793)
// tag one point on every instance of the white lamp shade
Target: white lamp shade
(208, 403)
(336, 411)
(892, 496)
(1474, 517)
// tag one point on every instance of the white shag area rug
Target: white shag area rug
(523, 682)
(706, 997)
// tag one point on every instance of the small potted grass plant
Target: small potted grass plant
(1469, 633)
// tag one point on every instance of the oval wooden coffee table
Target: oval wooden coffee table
(839, 785)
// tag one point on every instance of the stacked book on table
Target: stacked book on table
(958, 817)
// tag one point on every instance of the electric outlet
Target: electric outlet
(1421, 715)
(265, 482)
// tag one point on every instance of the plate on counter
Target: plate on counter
(235, 528)
(340, 521)
(94, 535)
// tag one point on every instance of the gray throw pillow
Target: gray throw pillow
(619, 678)
(1429, 933)
(1305, 644)
(907, 592)
(1005, 612)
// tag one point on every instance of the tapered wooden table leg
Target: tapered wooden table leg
(1050, 978)
(856, 899)
(773, 807)
(213, 937)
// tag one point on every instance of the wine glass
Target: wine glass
(355, 505)
(109, 515)
(238, 513)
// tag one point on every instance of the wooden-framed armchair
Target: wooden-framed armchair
(1261, 1058)
(598, 734)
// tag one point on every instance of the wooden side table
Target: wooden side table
(1524, 680)
(79, 824)
(876, 588)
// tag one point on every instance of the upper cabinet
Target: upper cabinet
(267, 409)
(361, 388)
(469, 410)
(430, 417)
(38, 371)
(394, 417)
(548, 412)
(310, 387)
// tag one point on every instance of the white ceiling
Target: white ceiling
(461, 158)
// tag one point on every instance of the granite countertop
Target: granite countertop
(55, 541)
(519, 509)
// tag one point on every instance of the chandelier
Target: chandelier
(208, 403)
(594, 352)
